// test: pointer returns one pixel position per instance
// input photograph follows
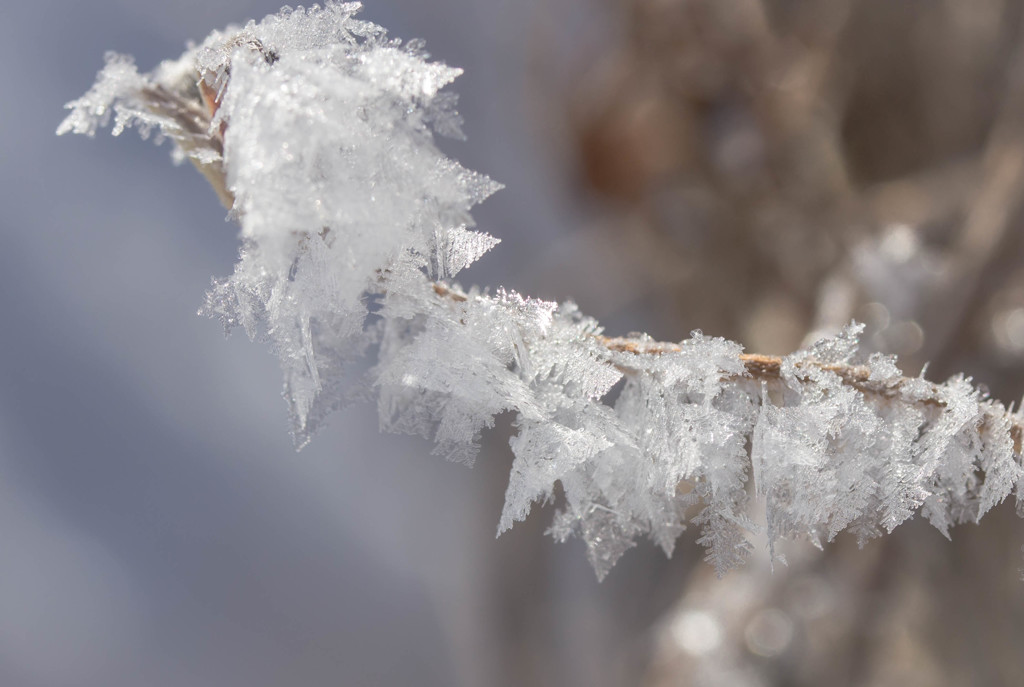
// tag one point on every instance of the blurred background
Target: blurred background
(764, 170)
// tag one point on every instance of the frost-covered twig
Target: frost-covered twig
(768, 368)
(317, 130)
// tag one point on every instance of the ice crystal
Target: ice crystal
(317, 130)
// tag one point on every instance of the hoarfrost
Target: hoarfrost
(317, 131)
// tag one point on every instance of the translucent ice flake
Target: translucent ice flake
(456, 248)
(117, 89)
(403, 73)
(448, 365)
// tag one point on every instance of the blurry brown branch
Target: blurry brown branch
(788, 167)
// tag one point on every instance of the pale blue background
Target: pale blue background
(156, 526)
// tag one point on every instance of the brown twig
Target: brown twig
(191, 116)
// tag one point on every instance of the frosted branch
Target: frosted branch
(317, 131)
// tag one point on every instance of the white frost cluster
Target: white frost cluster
(319, 130)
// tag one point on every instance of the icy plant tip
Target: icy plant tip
(317, 131)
